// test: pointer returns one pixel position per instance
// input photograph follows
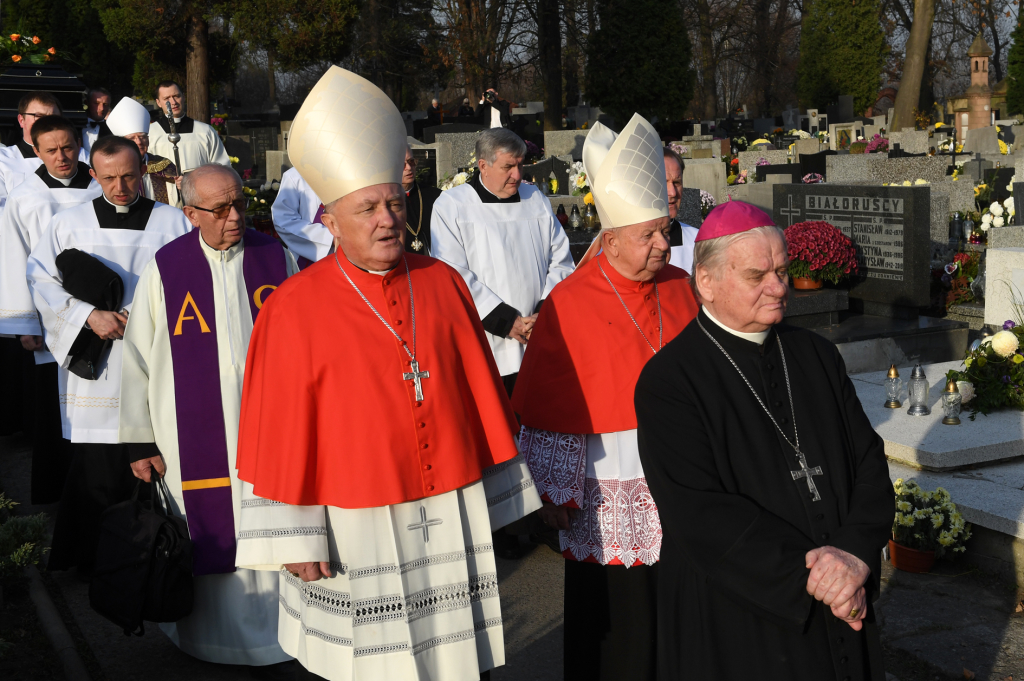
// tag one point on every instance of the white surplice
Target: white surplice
(200, 146)
(89, 408)
(512, 253)
(414, 588)
(16, 162)
(234, 619)
(682, 256)
(27, 214)
(294, 210)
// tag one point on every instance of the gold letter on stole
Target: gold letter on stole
(257, 298)
(181, 316)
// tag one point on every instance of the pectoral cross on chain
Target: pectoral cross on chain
(425, 524)
(807, 472)
(415, 375)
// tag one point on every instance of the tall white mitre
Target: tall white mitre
(128, 118)
(348, 135)
(626, 173)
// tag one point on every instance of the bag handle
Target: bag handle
(161, 496)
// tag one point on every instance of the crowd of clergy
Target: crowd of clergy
(358, 418)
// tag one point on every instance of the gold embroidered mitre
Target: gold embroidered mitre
(626, 173)
(347, 135)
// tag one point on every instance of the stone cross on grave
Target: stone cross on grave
(805, 472)
(425, 524)
(978, 159)
(790, 212)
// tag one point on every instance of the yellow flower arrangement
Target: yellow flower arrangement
(1003, 149)
(589, 198)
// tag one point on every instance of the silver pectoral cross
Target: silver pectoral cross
(415, 375)
(806, 472)
(425, 524)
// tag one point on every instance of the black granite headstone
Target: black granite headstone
(890, 228)
(815, 163)
(539, 172)
(999, 179)
(842, 111)
(262, 141)
(791, 169)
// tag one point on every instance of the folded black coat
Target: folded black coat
(89, 280)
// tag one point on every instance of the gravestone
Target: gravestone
(808, 146)
(689, 208)
(982, 140)
(749, 159)
(889, 226)
(764, 126)
(454, 151)
(262, 140)
(430, 133)
(758, 194)
(815, 163)
(542, 171)
(1004, 281)
(565, 143)
(706, 174)
(791, 119)
(783, 172)
(277, 164)
(976, 167)
(814, 122)
(999, 179)
(836, 130)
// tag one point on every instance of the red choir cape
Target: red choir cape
(585, 353)
(327, 417)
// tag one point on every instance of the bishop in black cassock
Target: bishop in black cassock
(740, 510)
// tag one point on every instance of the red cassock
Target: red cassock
(327, 416)
(585, 353)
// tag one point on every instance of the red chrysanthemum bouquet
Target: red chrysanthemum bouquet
(819, 251)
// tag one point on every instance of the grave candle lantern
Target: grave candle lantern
(968, 228)
(575, 219)
(893, 388)
(951, 401)
(918, 390)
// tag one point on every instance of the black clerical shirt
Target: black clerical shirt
(81, 180)
(26, 149)
(136, 218)
(737, 525)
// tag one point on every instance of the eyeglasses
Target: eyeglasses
(36, 115)
(221, 212)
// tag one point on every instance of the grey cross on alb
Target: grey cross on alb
(806, 472)
(415, 375)
(425, 524)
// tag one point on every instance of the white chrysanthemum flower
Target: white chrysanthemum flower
(986, 218)
(966, 389)
(996, 208)
(998, 222)
(1005, 343)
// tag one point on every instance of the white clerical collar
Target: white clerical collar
(752, 337)
(65, 182)
(177, 120)
(117, 208)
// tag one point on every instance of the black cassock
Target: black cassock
(732, 588)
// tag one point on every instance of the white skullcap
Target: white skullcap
(626, 173)
(347, 135)
(128, 118)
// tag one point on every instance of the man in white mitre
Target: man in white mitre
(130, 120)
(61, 183)
(181, 391)
(375, 433)
(115, 235)
(200, 144)
(298, 215)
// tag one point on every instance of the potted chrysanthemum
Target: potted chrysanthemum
(818, 252)
(927, 525)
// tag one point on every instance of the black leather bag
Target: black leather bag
(143, 563)
(89, 280)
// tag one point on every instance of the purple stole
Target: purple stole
(305, 262)
(202, 442)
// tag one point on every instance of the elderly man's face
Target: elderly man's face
(173, 95)
(503, 176)
(674, 180)
(639, 251)
(409, 172)
(219, 214)
(748, 293)
(368, 226)
(99, 106)
(119, 175)
(141, 140)
(58, 150)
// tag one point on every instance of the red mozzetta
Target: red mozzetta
(585, 353)
(327, 417)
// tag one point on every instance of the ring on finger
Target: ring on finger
(854, 612)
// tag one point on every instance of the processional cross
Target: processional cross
(415, 375)
(807, 472)
(425, 524)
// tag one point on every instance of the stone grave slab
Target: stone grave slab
(889, 170)
(974, 167)
(999, 179)
(808, 146)
(702, 153)
(262, 140)
(783, 172)
(689, 208)
(430, 133)
(706, 174)
(815, 163)
(758, 194)
(961, 194)
(791, 119)
(454, 151)
(923, 441)
(749, 159)
(845, 168)
(913, 142)
(277, 164)
(982, 140)
(1004, 279)
(764, 126)
(889, 226)
(1011, 236)
(542, 171)
(565, 143)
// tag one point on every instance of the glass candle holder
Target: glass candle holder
(951, 403)
(893, 388)
(968, 229)
(918, 393)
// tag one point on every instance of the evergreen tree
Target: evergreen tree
(639, 60)
(842, 51)
(1015, 73)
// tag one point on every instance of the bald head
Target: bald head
(215, 204)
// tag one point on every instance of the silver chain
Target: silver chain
(412, 305)
(757, 397)
(656, 296)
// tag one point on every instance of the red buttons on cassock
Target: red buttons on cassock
(419, 404)
(394, 302)
(430, 488)
(653, 313)
(426, 467)
(399, 321)
(424, 445)
(423, 425)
